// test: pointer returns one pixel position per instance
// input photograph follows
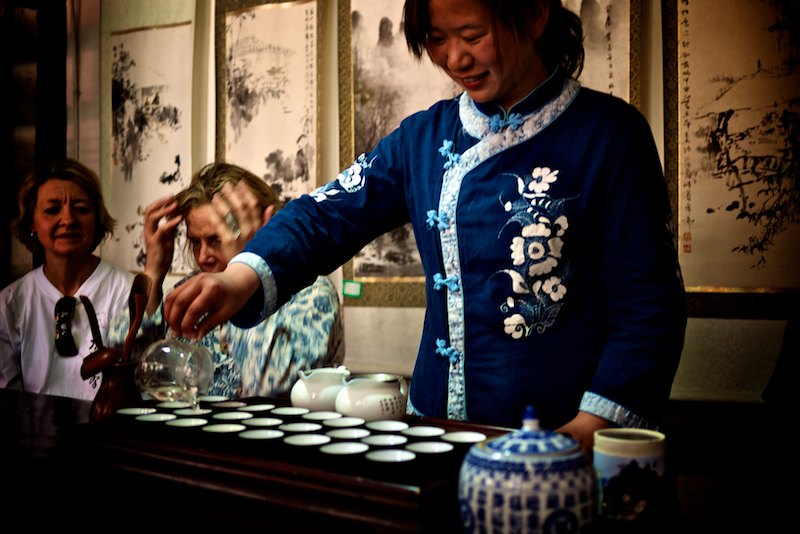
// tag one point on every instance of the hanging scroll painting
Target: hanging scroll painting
(388, 84)
(738, 111)
(151, 95)
(385, 84)
(611, 42)
(267, 92)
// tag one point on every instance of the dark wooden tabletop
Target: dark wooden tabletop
(62, 470)
(122, 467)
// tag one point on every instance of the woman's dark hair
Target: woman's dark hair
(561, 44)
(71, 171)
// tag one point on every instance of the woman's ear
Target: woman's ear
(268, 213)
(539, 23)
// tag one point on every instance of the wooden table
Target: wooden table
(61, 471)
(203, 481)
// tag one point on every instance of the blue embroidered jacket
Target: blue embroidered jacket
(545, 235)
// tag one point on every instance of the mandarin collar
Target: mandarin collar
(539, 96)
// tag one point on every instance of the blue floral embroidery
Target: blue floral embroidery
(497, 122)
(448, 352)
(446, 150)
(439, 282)
(442, 221)
(537, 274)
(350, 180)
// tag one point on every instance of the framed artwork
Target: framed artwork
(612, 45)
(151, 125)
(380, 83)
(267, 90)
(732, 113)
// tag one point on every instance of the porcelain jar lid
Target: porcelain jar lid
(530, 440)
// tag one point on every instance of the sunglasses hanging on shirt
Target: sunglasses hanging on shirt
(65, 343)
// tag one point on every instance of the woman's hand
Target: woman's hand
(582, 429)
(161, 220)
(207, 300)
(237, 216)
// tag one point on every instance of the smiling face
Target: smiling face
(465, 42)
(204, 239)
(64, 219)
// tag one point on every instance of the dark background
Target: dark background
(33, 43)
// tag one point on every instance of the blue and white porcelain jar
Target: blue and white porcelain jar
(529, 480)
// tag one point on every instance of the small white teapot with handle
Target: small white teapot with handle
(316, 389)
(373, 396)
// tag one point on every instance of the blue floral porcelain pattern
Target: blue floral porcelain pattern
(304, 333)
(528, 480)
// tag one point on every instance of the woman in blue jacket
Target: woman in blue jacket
(541, 216)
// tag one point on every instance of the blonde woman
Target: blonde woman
(57, 314)
(222, 208)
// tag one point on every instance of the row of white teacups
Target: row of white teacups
(342, 435)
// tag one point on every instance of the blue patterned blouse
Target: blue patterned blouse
(305, 333)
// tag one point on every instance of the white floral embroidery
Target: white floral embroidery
(350, 180)
(477, 125)
(324, 193)
(553, 287)
(515, 325)
(537, 274)
(535, 246)
(542, 178)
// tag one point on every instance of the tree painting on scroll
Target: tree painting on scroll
(151, 77)
(389, 84)
(739, 140)
(271, 94)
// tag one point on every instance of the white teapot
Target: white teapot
(316, 389)
(373, 396)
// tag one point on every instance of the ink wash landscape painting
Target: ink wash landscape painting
(270, 88)
(151, 96)
(388, 85)
(739, 139)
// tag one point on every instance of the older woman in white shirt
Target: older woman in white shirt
(57, 314)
